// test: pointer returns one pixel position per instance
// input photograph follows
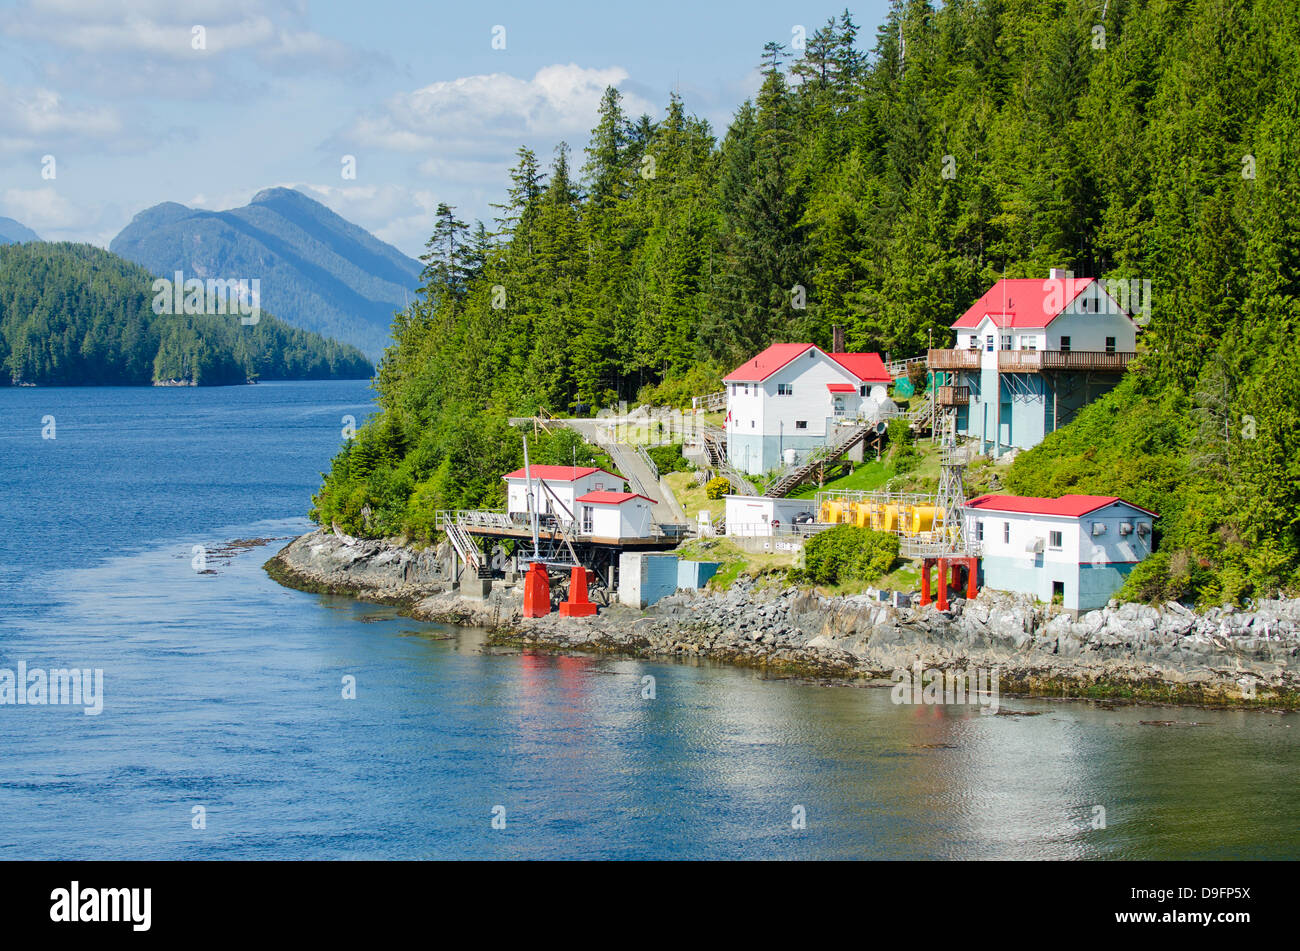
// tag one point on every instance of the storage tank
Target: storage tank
(921, 518)
(831, 512)
(888, 517)
(861, 514)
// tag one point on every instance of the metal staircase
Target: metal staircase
(788, 481)
(465, 547)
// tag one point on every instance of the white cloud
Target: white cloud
(478, 114)
(147, 47)
(44, 210)
(39, 119)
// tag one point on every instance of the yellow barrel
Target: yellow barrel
(832, 512)
(922, 518)
(862, 514)
(889, 517)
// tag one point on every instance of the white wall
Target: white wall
(1088, 320)
(1078, 544)
(1025, 528)
(752, 515)
(1111, 547)
(630, 519)
(766, 412)
(517, 492)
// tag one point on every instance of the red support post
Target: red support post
(972, 578)
(925, 581)
(537, 591)
(942, 590)
(578, 604)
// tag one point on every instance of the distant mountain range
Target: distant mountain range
(317, 270)
(12, 232)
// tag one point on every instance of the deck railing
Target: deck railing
(1036, 361)
(953, 359)
(952, 395)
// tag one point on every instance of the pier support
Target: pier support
(578, 604)
(942, 589)
(537, 591)
(925, 581)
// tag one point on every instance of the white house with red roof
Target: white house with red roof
(604, 514)
(556, 489)
(1076, 549)
(1029, 355)
(789, 397)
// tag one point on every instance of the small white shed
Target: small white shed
(615, 515)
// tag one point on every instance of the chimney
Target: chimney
(1059, 274)
(837, 339)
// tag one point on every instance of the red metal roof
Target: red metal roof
(1024, 302)
(559, 473)
(766, 363)
(612, 498)
(867, 367)
(841, 387)
(1068, 506)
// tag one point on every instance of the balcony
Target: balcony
(1036, 361)
(951, 395)
(953, 359)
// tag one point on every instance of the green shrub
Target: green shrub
(716, 488)
(668, 458)
(848, 553)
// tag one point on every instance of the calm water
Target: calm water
(224, 691)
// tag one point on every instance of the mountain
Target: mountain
(317, 270)
(12, 232)
(77, 315)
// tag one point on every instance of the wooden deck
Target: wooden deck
(1036, 361)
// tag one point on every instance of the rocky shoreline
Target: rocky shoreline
(1224, 657)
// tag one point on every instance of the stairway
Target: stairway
(789, 481)
(465, 547)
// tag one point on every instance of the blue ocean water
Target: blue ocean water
(223, 691)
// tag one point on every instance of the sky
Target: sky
(108, 107)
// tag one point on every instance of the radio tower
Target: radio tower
(950, 530)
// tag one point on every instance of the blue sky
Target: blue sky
(133, 114)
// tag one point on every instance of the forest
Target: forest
(882, 184)
(77, 315)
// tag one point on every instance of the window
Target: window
(600, 486)
(751, 424)
(785, 389)
(988, 343)
(1006, 533)
(1006, 341)
(862, 390)
(979, 530)
(1126, 528)
(1058, 592)
(1053, 539)
(801, 424)
(746, 389)
(1110, 344)
(1028, 342)
(974, 341)
(1065, 344)
(586, 519)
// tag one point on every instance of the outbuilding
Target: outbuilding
(1075, 550)
(565, 483)
(605, 514)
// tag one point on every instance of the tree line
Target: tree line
(884, 190)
